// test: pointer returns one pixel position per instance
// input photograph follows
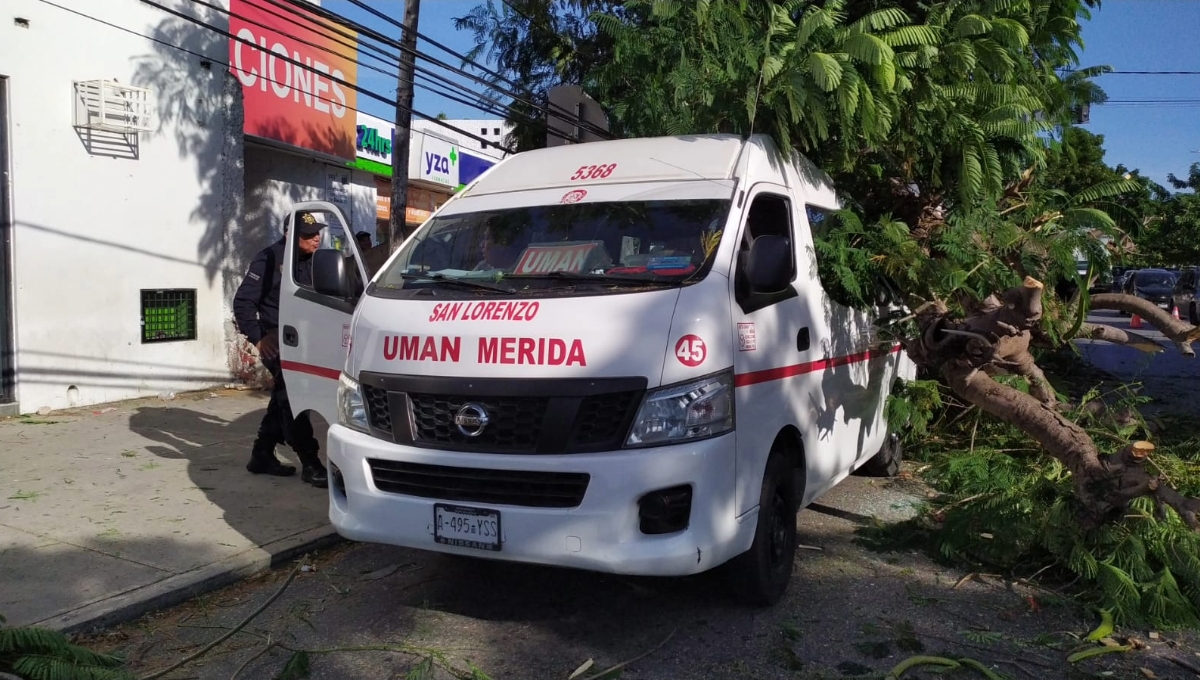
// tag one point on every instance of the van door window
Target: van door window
(331, 237)
(769, 215)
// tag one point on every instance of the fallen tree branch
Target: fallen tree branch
(1117, 336)
(247, 662)
(608, 671)
(231, 632)
(1168, 325)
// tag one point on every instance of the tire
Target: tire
(886, 462)
(760, 575)
(1192, 316)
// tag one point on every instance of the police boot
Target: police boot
(313, 472)
(264, 462)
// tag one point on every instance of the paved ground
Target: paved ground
(108, 511)
(1168, 376)
(107, 508)
(371, 611)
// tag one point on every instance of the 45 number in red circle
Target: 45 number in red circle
(594, 172)
(691, 351)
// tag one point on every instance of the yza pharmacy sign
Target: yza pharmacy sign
(438, 161)
(431, 159)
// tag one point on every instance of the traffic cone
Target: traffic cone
(1174, 311)
(1136, 322)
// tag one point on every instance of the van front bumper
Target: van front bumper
(601, 534)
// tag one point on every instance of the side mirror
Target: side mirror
(330, 276)
(769, 265)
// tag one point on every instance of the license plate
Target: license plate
(466, 527)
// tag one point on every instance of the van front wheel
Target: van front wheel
(761, 574)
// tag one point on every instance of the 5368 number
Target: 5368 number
(594, 172)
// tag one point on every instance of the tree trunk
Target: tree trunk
(995, 339)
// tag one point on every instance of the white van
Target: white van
(615, 356)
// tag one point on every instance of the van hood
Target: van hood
(614, 335)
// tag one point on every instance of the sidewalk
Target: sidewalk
(110, 511)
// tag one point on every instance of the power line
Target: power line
(435, 76)
(563, 114)
(340, 81)
(211, 59)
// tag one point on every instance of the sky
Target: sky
(1128, 35)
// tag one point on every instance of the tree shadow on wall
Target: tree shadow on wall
(199, 102)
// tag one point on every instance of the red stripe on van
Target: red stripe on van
(319, 371)
(769, 374)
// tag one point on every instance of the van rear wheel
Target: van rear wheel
(885, 463)
(760, 575)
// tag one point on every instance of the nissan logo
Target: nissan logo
(471, 419)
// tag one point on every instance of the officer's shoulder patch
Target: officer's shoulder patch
(253, 275)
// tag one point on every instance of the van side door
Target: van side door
(777, 335)
(314, 328)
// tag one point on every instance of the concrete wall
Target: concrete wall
(99, 217)
(276, 179)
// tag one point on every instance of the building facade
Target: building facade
(144, 158)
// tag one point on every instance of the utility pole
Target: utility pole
(404, 102)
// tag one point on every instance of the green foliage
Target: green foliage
(1007, 506)
(911, 406)
(42, 654)
(1173, 236)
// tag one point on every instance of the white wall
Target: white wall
(276, 179)
(92, 229)
(480, 127)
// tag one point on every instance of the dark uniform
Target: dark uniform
(256, 311)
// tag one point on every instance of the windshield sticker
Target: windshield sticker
(747, 338)
(593, 172)
(490, 350)
(569, 258)
(485, 311)
(691, 351)
(573, 196)
(673, 262)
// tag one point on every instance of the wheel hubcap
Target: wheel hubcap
(778, 531)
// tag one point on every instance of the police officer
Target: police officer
(256, 312)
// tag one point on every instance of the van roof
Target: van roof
(618, 161)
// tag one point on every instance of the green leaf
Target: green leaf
(422, 671)
(868, 48)
(1107, 189)
(296, 668)
(825, 70)
(970, 25)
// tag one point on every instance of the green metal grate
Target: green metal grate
(168, 315)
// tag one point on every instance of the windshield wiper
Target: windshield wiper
(442, 278)
(594, 278)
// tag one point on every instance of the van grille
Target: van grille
(379, 413)
(531, 416)
(515, 423)
(474, 485)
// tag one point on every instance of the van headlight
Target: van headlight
(693, 410)
(352, 412)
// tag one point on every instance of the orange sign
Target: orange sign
(383, 200)
(296, 76)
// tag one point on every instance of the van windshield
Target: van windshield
(542, 249)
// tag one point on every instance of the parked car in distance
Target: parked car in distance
(1183, 297)
(1119, 275)
(1154, 285)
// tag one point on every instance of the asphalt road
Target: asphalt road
(1169, 377)
(371, 611)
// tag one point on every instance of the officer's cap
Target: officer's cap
(307, 224)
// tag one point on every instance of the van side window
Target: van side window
(821, 222)
(769, 215)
